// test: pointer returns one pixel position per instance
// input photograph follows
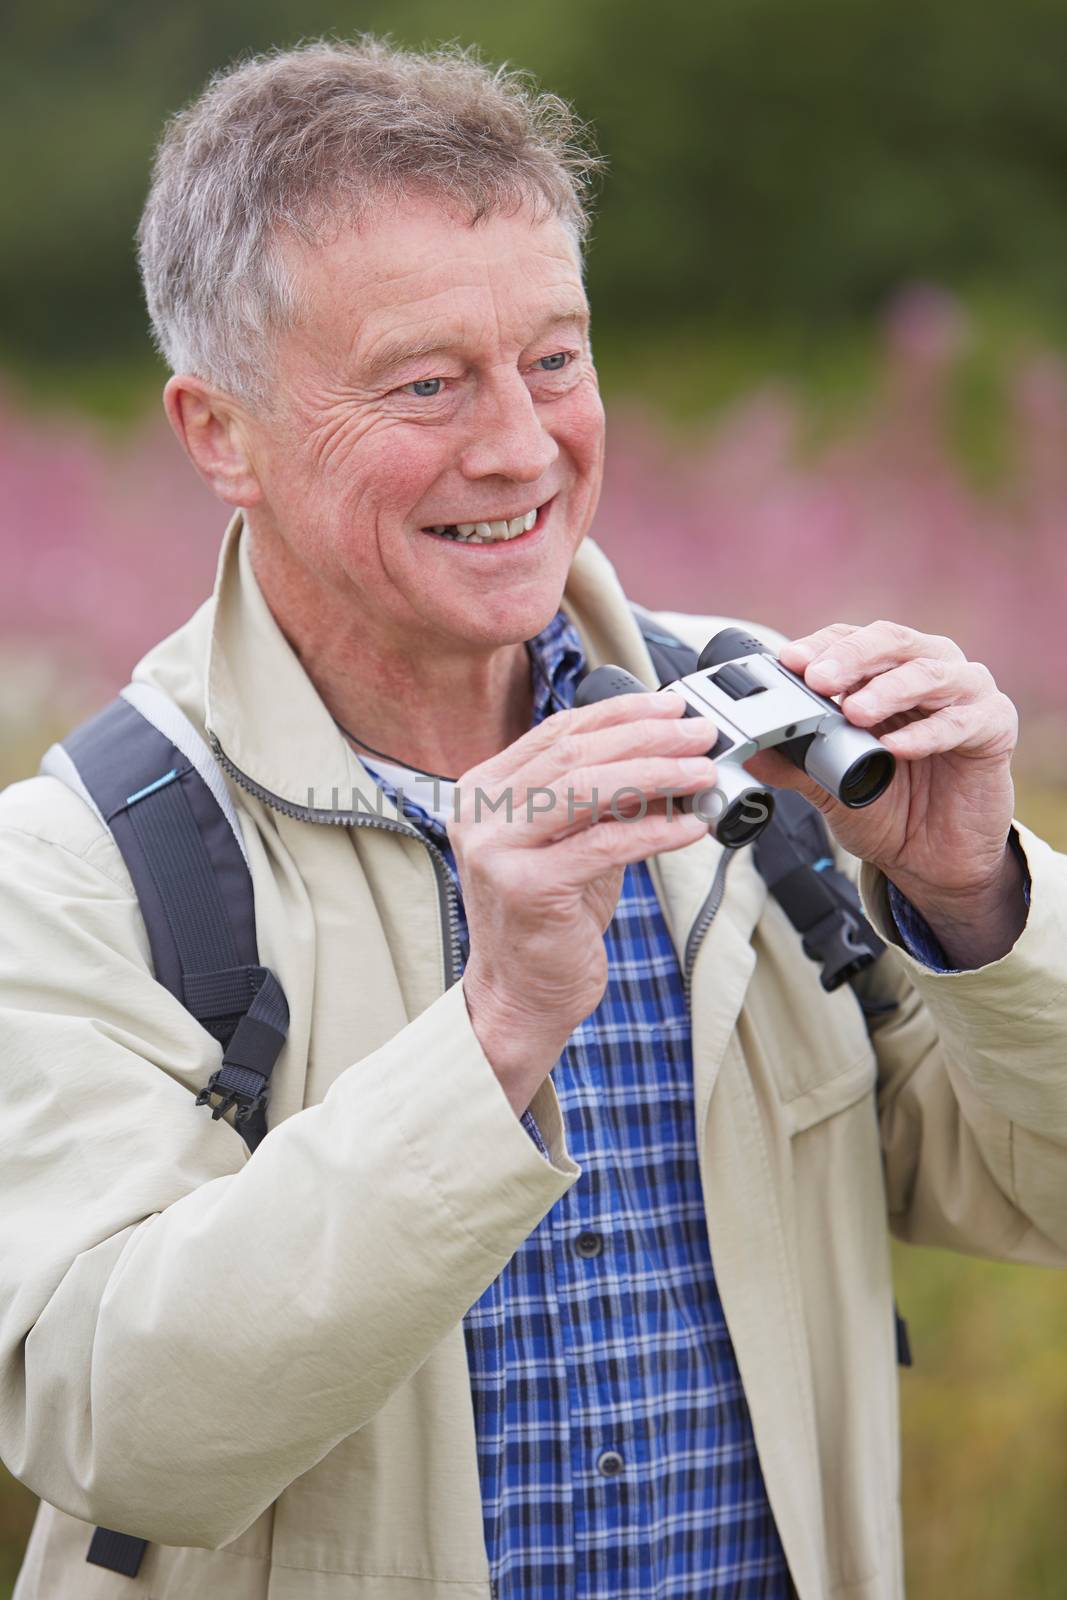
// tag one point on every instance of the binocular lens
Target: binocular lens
(745, 820)
(866, 779)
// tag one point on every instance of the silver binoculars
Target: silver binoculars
(757, 704)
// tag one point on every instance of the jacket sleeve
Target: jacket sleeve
(184, 1329)
(973, 1082)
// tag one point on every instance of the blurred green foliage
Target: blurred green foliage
(774, 163)
(984, 1414)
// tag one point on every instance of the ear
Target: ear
(213, 432)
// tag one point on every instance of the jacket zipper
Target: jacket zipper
(447, 900)
(702, 922)
(448, 903)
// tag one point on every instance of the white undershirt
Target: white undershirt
(434, 795)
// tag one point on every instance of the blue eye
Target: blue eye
(554, 363)
(425, 388)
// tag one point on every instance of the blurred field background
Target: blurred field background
(829, 284)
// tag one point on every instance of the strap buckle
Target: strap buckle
(248, 1105)
(839, 943)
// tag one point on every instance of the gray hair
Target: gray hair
(294, 144)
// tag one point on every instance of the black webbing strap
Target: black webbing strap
(120, 1552)
(249, 1057)
(793, 857)
(195, 895)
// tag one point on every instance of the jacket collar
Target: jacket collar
(235, 675)
(267, 716)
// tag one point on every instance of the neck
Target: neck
(427, 702)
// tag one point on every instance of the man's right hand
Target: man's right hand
(539, 890)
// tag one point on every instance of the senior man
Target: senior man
(570, 1277)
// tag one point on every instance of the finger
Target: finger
(902, 719)
(662, 805)
(798, 652)
(778, 772)
(660, 737)
(665, 807)
(615, 788)
(586, 855)
(978, 728)
(848, 660)
(623, 708)
(927, 684)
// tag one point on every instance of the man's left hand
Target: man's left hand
(940, 831)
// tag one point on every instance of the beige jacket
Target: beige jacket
(258, 1363)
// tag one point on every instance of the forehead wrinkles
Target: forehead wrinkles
(463, 287)
(421, 310)
(497, 307)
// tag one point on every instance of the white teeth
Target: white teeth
(489, 532)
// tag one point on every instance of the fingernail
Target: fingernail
(860, 702)
(696, 765)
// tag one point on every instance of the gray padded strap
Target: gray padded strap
(159, 709)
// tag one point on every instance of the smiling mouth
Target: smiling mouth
(502, 531)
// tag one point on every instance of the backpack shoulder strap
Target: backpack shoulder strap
(153, 782)
(671, 656)
(793, 856)
(143, 768)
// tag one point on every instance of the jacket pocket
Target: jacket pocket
(831, 1095)
(814, 1045)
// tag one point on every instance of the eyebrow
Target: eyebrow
(400, 354)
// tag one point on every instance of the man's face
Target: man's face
(442, 377)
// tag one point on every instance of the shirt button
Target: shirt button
(609, 1463)
(589, 1244)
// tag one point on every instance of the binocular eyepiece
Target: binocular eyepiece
(757, 704)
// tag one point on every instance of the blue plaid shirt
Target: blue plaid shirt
(615, 1447)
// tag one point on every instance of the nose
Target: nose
(508, 438)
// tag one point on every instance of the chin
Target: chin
(503, 624)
